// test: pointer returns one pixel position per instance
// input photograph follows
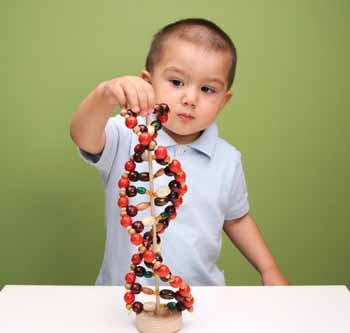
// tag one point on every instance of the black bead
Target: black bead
(167, 294)
(168, 172)
(164, 279)
(144, 176)
(173, 196)
(131, 210)
(149, 264)
(165, 222)
(164, 108)
(161, 162)
(158, 257)
(174, 185)
(180, 306)
(133, 176)
(143, 129)
(138, 226)
(137, 307)
(139, 271)
(139, 148)
(137, 157)
(132, 113)
(131, 191)
(170, 210)
(178, 297)
(161, 201)
(148, 236)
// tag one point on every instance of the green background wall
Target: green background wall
(289, 117)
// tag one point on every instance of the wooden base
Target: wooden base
(165, 322)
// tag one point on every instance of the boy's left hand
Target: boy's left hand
(273, 277)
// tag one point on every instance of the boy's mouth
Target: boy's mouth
(185, 116)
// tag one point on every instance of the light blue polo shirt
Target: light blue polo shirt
(191, 245)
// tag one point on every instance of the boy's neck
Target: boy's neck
(183, 139)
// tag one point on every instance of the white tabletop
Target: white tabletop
(64, 309)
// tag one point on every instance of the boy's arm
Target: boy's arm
(244, 233)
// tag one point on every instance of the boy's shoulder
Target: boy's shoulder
(227, 150)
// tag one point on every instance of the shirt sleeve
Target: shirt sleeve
(103, 161)
(238, 204)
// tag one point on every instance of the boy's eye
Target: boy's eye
(208, 90)
(176, 83)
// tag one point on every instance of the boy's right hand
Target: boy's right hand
(129, 92)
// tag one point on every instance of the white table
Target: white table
(63, 309)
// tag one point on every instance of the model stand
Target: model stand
(152, 316)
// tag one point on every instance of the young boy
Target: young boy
(190, 66)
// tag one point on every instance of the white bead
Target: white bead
(163, 191)
(150, 130)
(148, 221)
(149, 306)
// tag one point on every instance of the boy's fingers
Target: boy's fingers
(119, 93)
(131, 96)
(150, 96)
(143, 100)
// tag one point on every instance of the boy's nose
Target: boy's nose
(189, 97)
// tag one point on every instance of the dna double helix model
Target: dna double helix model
(148, 242)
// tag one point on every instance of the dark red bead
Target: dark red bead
(164, 108)
(167, 294)
(161, 201)
(137, 157)
(161, 162)
(131, 210)
(168, 172)
(180, 306)
(173, 196)
(137, 307)
(130, 166)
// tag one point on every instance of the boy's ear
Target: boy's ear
(146, 75)
(227, 97)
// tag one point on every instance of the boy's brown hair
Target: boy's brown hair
(198, 31)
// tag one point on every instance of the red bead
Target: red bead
(130, 278)
(163, 271)
(148, 256)
(129, 298)
(185, 291)
(188, 303)
(130, 165)
(123, 182)
(123, 202)
(175, 166)
(177, 203)
(125, 221)
(183, 189)
(181, 177)
(145, 139)
(136, 239)
(130, 122)
(163, 118)
(136, 259)
(177, 282)
(161, 153)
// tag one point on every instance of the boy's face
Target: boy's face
(193, 82)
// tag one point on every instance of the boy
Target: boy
(190, 66)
